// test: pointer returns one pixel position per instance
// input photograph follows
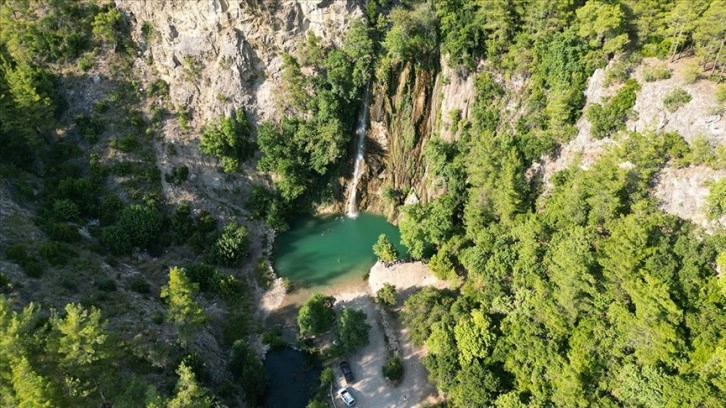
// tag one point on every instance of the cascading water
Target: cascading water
(360, 132)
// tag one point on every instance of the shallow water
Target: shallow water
(293, 378)
(321, 251)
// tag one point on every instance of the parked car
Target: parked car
(347, 372)
(348, 399)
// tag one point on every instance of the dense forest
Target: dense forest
(578, 291)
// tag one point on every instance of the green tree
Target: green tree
(248, 372)
(602, 25)
(352, 329)
(316, 316)
(231, 247)
(393, 369)
(387, 295)
(384, 249)
(228, 140)
(412, 36)
(79, 337)
(180, 294)
(188, 392)
(31, 389)
(107, 27)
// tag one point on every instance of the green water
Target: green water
(321, 251)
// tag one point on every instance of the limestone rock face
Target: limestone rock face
(218, 55)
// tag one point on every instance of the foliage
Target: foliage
(232, 245)
(716, 200)
(180, 294)
(352, 330)
(188, 392)
(676, 98)
(387, 295)
(384, 249)
(248, 372)
(611, 115)
(721, 93)
(652, 73)
(326, 376)
(316, 316)
(412, 36)
(393, 369)
(228, 140)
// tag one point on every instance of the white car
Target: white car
(345, 395)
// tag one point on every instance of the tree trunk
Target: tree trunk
(675, 42)
(718, 54)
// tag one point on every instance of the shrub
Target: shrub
(115, 239)
(140, 285)
(106, 285)
(55, 253)
(159, 88)
(691, 73)
(393, 369)
(127, 143)
(656, 73)
(612, 114)
(228, 140)
(387, 295)
(178, 175)
(721, 93)
(676, 98)
(182, 223)
(326, 377)
(231, 246)
(716, 200)
(90, 127)
(65, 210)
(142, 224)
(248, 372)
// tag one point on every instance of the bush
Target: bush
(656, 73)
(182, 223)
(231, 246)
(228, 140)
(90, 127)
(159, 88)
(65, 210)
(142, 224)
(106, 285)
(387, 295)
(393, 369)
(127, 143)
(676, 98)
(178, 175)
(140, 285)
(691, 73)
(612, 114)
(248, 372)
(721, 93)
(716, 200)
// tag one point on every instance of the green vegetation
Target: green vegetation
(232, 245)
(352, 330)
(393, 369)
(387, 295)
(384, 249)
(316, 316)
(229, 141)
(656, 73)
(676, 98)
(183, 309)
(612, 114)
(716, 200)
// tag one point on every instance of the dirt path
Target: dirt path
(370, 389)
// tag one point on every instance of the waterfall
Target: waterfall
(360, 132)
